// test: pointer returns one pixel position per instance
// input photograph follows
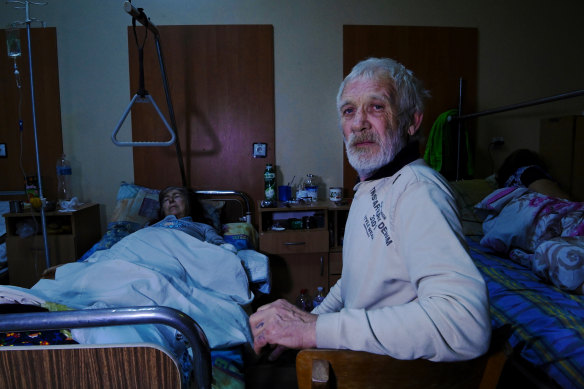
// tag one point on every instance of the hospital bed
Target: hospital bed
(58, 363)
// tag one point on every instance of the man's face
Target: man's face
(369, 126)
(174, 203)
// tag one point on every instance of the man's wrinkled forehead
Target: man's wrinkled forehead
(366, 89)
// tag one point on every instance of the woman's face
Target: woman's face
(174, 203)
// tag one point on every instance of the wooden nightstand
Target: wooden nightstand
(69, 235)
(300, 258)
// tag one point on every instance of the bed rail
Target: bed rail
(243, 195)
(36, 321)
(460, 117)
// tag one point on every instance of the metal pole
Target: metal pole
(171, 111)
(543, 100)
(36, 143)
(459, 127)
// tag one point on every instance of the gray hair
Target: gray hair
(409, 94)
(183, 191)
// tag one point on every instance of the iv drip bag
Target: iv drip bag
(13, 42)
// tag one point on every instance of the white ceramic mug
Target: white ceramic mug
(336, 194)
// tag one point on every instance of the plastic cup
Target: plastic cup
(284, 193)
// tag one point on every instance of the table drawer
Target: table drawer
(292, 242)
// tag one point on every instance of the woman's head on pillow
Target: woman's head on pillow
(516, 160)
(525, 169)
(174, 200)
(181, 202)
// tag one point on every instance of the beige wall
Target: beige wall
(527, 50)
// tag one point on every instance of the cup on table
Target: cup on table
(335, 194)
(284, 193)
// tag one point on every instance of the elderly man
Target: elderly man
(408, 288)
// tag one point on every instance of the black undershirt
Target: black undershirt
(405, 156)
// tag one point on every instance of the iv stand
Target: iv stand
(28, 22)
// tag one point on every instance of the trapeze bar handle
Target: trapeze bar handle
(141, 17)
(142, 144)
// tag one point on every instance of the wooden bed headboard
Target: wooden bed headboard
(221, 80)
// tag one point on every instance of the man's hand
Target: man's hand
(281, 323)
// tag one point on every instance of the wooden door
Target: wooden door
(439, 56)
(17, 105)
(222, 87)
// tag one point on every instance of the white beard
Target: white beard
(364, 160)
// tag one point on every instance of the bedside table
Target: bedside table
(300, 254)
(69, 235)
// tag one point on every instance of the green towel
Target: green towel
(441, 148)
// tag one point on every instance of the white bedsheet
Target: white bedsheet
(150, 267)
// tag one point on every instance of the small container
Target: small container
(270, 182)
(319, 297)
(295, 224)
(32, 187)
(311, 187)
(303, 301)
(284, 193)
(64, 191)
(308, 222)
(303, 195)
(336, 194)
(15, 206)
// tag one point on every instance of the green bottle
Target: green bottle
(270, 183)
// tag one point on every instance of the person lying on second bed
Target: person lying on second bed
(524, 168)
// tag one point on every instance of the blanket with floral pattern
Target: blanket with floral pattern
(543, 233)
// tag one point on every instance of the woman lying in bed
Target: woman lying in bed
(178, 210)
(176, 262)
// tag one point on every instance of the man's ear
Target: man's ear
(417, 120)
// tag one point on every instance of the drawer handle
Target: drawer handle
(294, 243)
(321, 266)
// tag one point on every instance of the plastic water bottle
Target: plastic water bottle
(303, 301)
(311, 187)
(319, 297)
(64, 179)
(270, 183)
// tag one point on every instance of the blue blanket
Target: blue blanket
(153, 267)
(547, 323)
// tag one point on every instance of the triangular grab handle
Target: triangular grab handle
(142, 144)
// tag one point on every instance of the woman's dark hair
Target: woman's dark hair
(515, 160)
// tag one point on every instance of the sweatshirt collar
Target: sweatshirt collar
(405, 156)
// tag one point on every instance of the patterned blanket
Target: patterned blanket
(542, 233)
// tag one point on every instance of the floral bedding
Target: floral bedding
(545, 234)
